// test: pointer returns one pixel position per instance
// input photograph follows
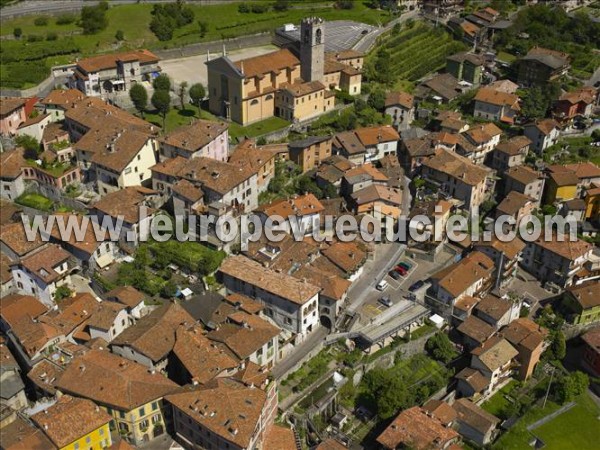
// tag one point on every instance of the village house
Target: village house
(279, 83)
(60, 100)
(74, 423)
(150, 341)
(116, 72)
(310, 152)
(129, 297)
(331, 172)
(42, 272)
(14, 242)
(494, 359)
(506, 257)
(497, 311)
(577, 103)
(416, 428)
(12, 180)
(473, 331)
(542, 134)
(261, 159)
(304, 209)
(361, 177)
(474, 423)
(415, 150)
(581, 303)
(591, 351)
(16, 307)
(199, 138)
(529, 339)
(496, 105)
(457, 177)
(381, 202)
(12, 114)
(34, 126)
(592, 202)
(6, 278)
(130, 393)
(201, 417)
(13, 390)
(467, 67)
(516, 206)
(541, 66)
(555, 262)
(480, 141)
(471, 276)
(291, 303)
(510, 153)
(587, 173)
(366, 144)
(342, 71)
(526, 181)
(400, 106)
(471, 383)
(108, 321)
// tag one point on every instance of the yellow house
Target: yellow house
(75, 423)
(561, 186)
(592, 203)
(129, 392)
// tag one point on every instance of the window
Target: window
(121, 414)
(101, 431)
(76, 446)
(142, 411)
(88, 440)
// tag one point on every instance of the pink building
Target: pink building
(200, 138)
(12, 114)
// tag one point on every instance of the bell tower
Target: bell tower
(312, 49)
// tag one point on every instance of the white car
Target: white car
(382, 285)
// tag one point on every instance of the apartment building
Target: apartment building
(199, 138)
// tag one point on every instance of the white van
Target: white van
(382, 285)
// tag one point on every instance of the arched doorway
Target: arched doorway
(325, 321)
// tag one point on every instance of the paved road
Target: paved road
(299, 352)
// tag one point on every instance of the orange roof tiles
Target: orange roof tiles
(375, 135)
(43, 262)
(271, 62)
(106, 62)
(399, 98)
(498, 98)
(196, 135)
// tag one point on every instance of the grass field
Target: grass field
(224, 21)
(498, 403)
(36, 201)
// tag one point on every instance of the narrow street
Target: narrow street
(283, 366)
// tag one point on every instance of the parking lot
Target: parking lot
(339, 34)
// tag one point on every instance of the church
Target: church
(295, 84)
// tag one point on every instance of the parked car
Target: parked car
(382, 285)
(406, 265)
(401, 270)
(395, 275)
(385, 301)
(416, 286)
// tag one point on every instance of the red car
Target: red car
(401, 270)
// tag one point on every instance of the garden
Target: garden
(36, 201)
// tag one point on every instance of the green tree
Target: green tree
(139, 97)
(197, 94)
(568, 387)
(440, 347)
(169, 290)
(18, 32)
(181, 92)
(161, 100)
(93, 18)
(281, 5)
(377, 99)
(306, 184)
(119, 35)
(162, 82)
(62, 292)
(29, 144)
(558, 346)
(163, 27)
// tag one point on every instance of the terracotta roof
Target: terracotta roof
(504, 86)
(55, 131)
(330, 444)
(125, 203)
(89, 244)
(495, 353)
(106, 62)
(73, 312)
(399, 98)
(476, 60)
(584, 169)
(584, 94)
(458, 277)
(187, 190)
(247, 153)
(592, 339)
(374, 135)
(244, 333)
(441, 410)
(493, 306)
(8, 212)
(414, 428)
(481, 134)
(21, 435)
(70, 419)
(474, 416)
(564, 178)
(375, 193)
(63, 97)
(511, 248)
(586, 294)
(567, 249)
(5, 272)
(111, 148)
(349, 141)
(348, 256)
(445, 85)
(456, 166)
(202, 358)
(33, 120)
(225, 407)
(42, 262)
(334, 286)
(279, 284)
(498, 98)
(299, 206)
(513, 146)
(513, 202)
(271, 62)
(301, 89)
(476, 329)
(524, 333)
(244, 303)
(33, 335)
(44, 374)
(13, 236)
(112, 381)
(545, 126)
(551, 58)
(522, 174)
(466, 303)
(253, 375)
(154, 334)
(365, 171)
(196, 135)
(9, 104)
(279, 437)
(127, 295)
(11, 162)
(473, 378)
(346, 54)
(105, 315)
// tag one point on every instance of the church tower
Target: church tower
(312, 49)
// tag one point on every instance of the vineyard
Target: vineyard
(418, 50)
